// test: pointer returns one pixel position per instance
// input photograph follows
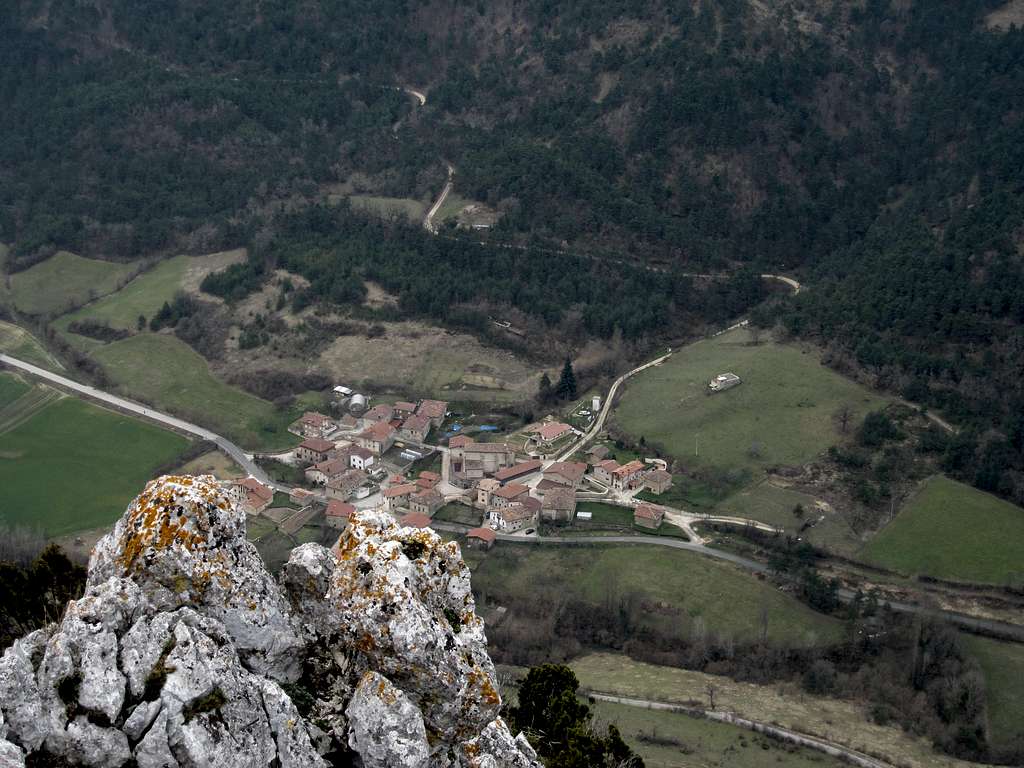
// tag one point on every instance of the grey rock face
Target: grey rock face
(184, 651)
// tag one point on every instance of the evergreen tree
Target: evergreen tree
(544, 388)
(566, 389)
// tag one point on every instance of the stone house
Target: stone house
(434, 410)
(628, 475)
(342, 486)
(481, 538)
(658, 481)
(426, 501)
(484, 489)
(518, 471)
(403, 409)
(558, 505)
(514, 517)
(397, 496)
(313, 450)
(322, 471)
(338, 513)
(508, 495)
(416, 428)
(381, 412)
(603, 471)
(252, 495)
(360, 458)
(648, 516)
(377, 438)
(567, 473)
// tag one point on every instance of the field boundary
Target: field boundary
(26, 406)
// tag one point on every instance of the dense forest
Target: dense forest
(874, 149)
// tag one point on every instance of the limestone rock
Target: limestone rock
(387, 728)
(184, 651)
(183, 542)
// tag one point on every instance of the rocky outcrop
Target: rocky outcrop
(185, 651)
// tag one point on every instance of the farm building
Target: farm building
(658, 481)
(723, 381)
(559, 505)
(514, 517)
(648, 516)
(480, 538)
(338, 513)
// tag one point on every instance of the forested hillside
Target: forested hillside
(874, 148)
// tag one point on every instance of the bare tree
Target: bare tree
(843, 417)
(711, 690)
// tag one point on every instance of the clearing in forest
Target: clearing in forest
(953, 531)
(782, 413)
(64, 281)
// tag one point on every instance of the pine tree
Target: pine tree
(566, 389)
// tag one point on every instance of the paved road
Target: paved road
(243, 459)
(795, 737)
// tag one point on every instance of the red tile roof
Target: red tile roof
(629, 469)
(404, 406)
(484, 534)
(331, 467)
(552, 430)
(379, 432)
(570, 470)
(315, 419)
(380, 412)
(400, 490)
(358, 450)
(337, 508)
(560, 498)
(415, 520)
(433, 409)
(518, 470)
(517, 512)
(258, 489)
(659, 475)
(418, 422)
(649, 512)
(316, 444)
(459, 441)
(428, 475)
(512, 490)
(608, 465)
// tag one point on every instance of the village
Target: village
(413, 460)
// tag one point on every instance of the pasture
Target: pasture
(387, 207)
(166, 372)
(843, 722)
(74, 466)
(673, 739)
(953, 531)
(694, 589)
(1003, 667)
(65, 281)
(17, 342)
(12, 387)
(782, 413)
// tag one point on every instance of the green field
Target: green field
(17, 342)
(950, 530)
(727, 600)
(166, 372)
(142, 296)
(63, 281)
(1003, 666)
(74, 466)
(11, 388)
(414, 210)
(771, 504)
(781, 413)
(674, 740)
(612, 516)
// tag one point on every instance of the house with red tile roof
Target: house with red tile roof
(460, 441)
(514, 517)
(509, 494)
(428, 479)
(415, 520)
(342, 486)
(253, 496)
(481, 538)
(648, 516)
(398, 495)
(313, 424)
(322, 471)
(628, 475)
(416, 427)
(313, 449)
(551, 432)
(338, 513)
(434, 410)
(558, 505)
(404, 409)
(567, 473)
(603, 470)
(426, 501)
(377, 438)
(382, 412)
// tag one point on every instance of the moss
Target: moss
(158, 675)
(300, 696)
(454, 619)
(211, 702)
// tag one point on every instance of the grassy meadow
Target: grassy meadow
(11, 388)
(673, 740)
(1003, 667)
(142, 296)
(782, 413)
(843, 722)
(953, 531)
(168, 373)
(19, 343)
(727, 600)
(413, 210)
(74, 466)
(64, 280)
